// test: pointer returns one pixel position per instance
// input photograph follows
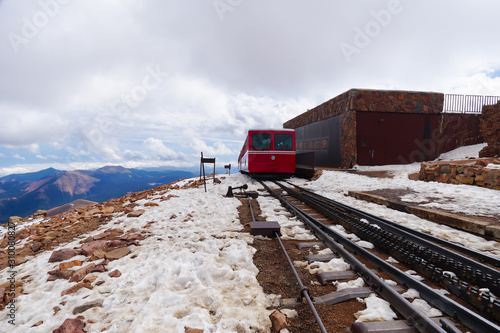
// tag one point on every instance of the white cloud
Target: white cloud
(217, 149)
(131, 155)
(477, 84)
(19, 157)
(160, 150)
(124, 81)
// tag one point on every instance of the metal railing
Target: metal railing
(467, 103)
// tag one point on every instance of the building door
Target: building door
(371, 150)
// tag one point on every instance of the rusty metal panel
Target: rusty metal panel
(322, 138)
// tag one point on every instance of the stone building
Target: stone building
(378, 127)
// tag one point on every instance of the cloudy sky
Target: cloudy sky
(153, 83)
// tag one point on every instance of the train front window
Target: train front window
(261, 141)
(283, 142)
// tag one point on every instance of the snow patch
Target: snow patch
(377, 309)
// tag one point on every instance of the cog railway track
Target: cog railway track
(471, 277)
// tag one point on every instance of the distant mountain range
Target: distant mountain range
(23, 194)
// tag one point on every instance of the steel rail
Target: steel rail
(445, 304)
(304, 291)
(408, 232)
(473, 271)
(430, 263)
(413, 316)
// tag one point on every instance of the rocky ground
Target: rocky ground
(276, 277)
(32, 238)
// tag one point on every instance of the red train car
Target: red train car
(268, 153)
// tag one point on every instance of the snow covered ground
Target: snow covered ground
(196, 269)
(473, 200)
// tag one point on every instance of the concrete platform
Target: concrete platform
(465, 223)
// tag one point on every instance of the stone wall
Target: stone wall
(489, 126)
(396, 101)
(331, 108)
(471, 172)
(371, 100)
(348, 149)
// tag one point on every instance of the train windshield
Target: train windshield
(261, 141)
(283, 141)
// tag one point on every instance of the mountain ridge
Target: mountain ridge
(23, 194)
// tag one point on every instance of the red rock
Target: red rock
(71, 326)
(35, 246)
(89, 305)
(89, 279)
(82, 272)
(115, 273)
(100, 268)
(69, 264)
(107, 233)
(61, 274)
(114, 243)
(108, 210)
(37, 323)
(101, 235)
(76, 287)
(89, 248)
(10, 296)
(136, 213)
(132, 237)
(62, 254)
(170, 196)
(117, 253)
(278, 320)
(192, 330)
(99, 254)
(22, 234)
(127, 210)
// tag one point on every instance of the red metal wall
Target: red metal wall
(398, 138)
(394, 138)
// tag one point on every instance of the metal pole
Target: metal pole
(304, 291)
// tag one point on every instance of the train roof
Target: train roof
(271, 129)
